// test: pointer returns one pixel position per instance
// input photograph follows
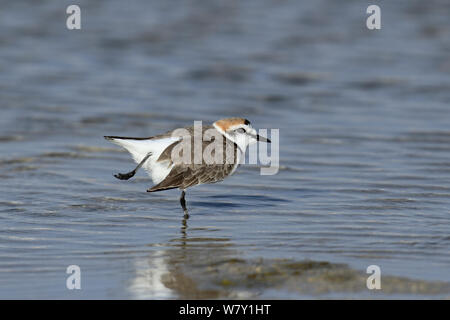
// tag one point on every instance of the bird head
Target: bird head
(240, 131)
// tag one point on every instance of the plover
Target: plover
(190, 167)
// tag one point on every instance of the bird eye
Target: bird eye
(240, 130)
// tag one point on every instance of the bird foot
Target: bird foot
(125, 176)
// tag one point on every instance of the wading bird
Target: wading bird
(170, 158)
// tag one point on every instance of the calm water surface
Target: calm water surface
(364, 149)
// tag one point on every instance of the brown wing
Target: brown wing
(185, 175)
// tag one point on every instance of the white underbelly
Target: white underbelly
(158, 171)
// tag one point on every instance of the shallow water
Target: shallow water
(364, 149)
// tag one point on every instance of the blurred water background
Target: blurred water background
(364, 149)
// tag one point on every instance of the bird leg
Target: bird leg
(183, 204)
(128, 175)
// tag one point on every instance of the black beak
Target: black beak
(262, 139)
